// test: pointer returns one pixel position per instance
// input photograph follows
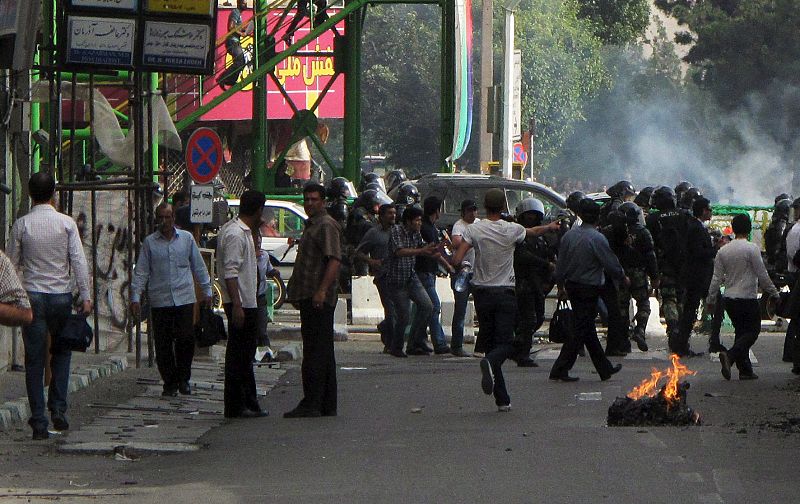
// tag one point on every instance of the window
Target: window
(281, 223)
(515, 196)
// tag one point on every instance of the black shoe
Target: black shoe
(796, 370)
(170, 391)
(691, 353)
(59, 421)
(787, 359)
(441, 350)
(424, 346)
(302, 413)
(40, 434)
(748, 376)
(460, 352)
(247, 413)
(725, 362)
(527, 363)
(564, 378)
(641, 344)
(614, 370)
(386, 350)
(417, 351)
(398, 353)
(487, 376)
(615, 353)
(329, 413)
(184, 388)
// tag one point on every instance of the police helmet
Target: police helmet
(630, 211)
(339, 188)
(367, 199)
(573, 199)
(643, 198)
(681, 188)
(782, 196)
(663, 198)
(371, 178)
(374, 185)
(782, 208)
(407, 194)
(394, 178)
(530, 205)
(621, 189)
(688, 197)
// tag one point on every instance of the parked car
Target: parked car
(453, 188)
(289, 219)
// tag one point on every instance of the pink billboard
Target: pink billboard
(303, 77)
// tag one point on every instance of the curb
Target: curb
(16, 412)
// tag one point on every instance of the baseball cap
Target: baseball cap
(468, 204)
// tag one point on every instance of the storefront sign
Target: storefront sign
(100, 41)
(183, 46)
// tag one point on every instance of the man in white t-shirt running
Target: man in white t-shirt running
(492, 286)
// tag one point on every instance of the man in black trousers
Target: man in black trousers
(696, 274)
(313, 289)
(584, 261)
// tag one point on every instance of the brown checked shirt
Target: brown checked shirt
(321, 241)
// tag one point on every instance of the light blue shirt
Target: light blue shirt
(167, 268)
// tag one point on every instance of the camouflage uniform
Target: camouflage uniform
(639, 291)
(639, 262)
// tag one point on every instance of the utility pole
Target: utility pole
(487, 81)
(508, 86)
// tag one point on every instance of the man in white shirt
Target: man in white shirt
(739, 267)
(238, 268)
(791, 348)
(45, 248)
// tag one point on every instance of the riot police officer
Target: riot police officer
(534, 264)
(775, 237)
(642, 199)
(617, 342)
(620, 192)
(360, 219)
(681, 188)
(669, 226)
(688, 198)
(393, 179)
(338, 194)
(404, 195)
(639, 262)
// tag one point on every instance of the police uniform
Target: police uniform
(639, 262)
(533, 280)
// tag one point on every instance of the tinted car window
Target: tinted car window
(514, 196)
(281, 223)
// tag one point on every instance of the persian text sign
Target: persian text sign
(303, 77)
(201, 7)
(100, 41)
(176, 45)
(202, 204)
(106, 4)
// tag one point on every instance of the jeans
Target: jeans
(746, 319)
(262, 338)
(584, 311)
(173, 334)
(400, 296)
(460, 301)
(240, 381)
(319, 361)
(50, 312)
(428, 281)
(496, 308)
(231, 74)
(386, 327)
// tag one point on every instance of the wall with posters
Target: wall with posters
(303, 77)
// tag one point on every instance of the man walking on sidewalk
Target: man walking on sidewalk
(169, 264)
(45, 247)
(739, 267)
(238, 268)
(585, 260)
(312, 289)
(494, 241)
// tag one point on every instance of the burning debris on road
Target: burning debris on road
(646, 404)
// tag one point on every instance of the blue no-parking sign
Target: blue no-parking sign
(203, 155)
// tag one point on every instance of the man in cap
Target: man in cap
(494, 241)
(469, 215)
(584, 261)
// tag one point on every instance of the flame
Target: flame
(649, 386)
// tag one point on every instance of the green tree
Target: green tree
(616, 21)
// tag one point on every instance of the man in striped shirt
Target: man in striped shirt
(46, 249)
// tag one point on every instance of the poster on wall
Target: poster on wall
(127, 5)
(196, 7)
(102, 42)
(177, 46)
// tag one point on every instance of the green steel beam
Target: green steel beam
(352, 94)
(258, 161)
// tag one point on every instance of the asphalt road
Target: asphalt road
(421, 430)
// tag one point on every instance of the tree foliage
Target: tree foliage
(616, 21)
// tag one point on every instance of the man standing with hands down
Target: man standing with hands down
(494, 241)
(584, 260)
(312, 289)
(237, 266)
(168, 262)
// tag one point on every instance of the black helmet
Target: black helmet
(631, 211)
(663, 198)
(573, 199)
(621, 189)
(643, 198)
(339, 188)
(681, 188)
(367, 179)
(394, 178)
(782, 209)
(368, 199)
(688, 197)
(374, 185)
(407, 194)
(782, 196)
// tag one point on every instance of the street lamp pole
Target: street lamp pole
(508, 85)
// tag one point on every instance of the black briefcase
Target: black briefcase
(210, 328)
(561, 324)
(76, 336)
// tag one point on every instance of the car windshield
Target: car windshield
(514, 196)
(455, 195)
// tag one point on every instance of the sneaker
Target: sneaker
(487, 379)
(504, 408)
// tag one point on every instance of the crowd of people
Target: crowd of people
(604, 259)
